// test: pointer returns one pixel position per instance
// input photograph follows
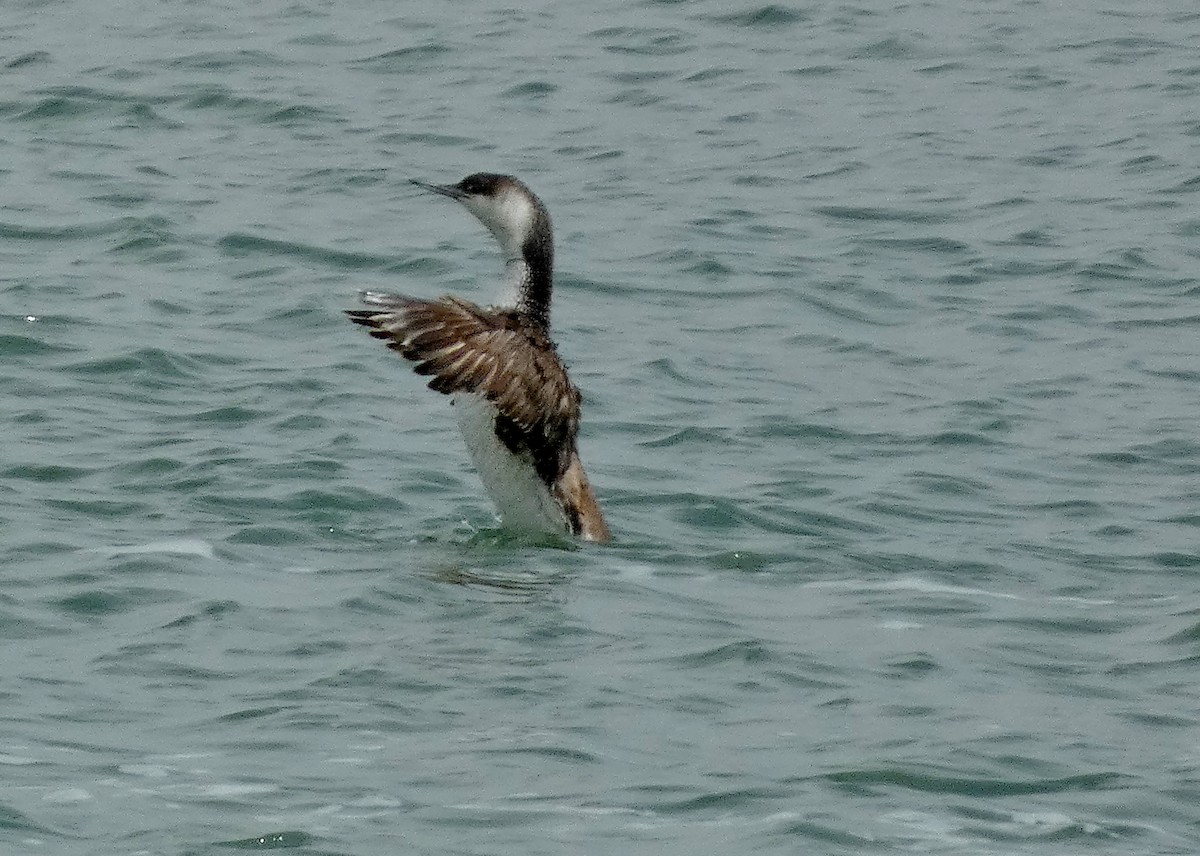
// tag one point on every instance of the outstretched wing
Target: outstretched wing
(493, 353)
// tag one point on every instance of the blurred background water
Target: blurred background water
(886, 317)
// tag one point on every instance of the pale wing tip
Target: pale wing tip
(380, 298)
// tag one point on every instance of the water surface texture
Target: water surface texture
(886, 317)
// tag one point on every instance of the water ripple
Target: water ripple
(882, 316)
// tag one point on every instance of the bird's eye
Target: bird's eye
(476, 184)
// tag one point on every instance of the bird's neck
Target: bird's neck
(529, 280)
(526, 289)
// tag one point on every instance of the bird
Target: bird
(515, 404)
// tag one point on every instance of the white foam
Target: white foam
(920, 584)
(16, 760)
(174, 547)
(67, 795)
(234, 790)
(150, 771)
(917, 584)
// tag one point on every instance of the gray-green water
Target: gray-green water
(886, 317)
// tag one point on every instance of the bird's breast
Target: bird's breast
(511, 480)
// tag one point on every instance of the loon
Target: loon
(516, 406)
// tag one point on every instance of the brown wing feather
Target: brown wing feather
(497, 354)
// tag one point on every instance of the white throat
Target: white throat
(516, 280)
(508, 216)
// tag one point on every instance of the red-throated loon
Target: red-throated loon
(516, 406)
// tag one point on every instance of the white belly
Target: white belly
(524, 502)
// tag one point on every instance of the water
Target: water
(886, 320)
